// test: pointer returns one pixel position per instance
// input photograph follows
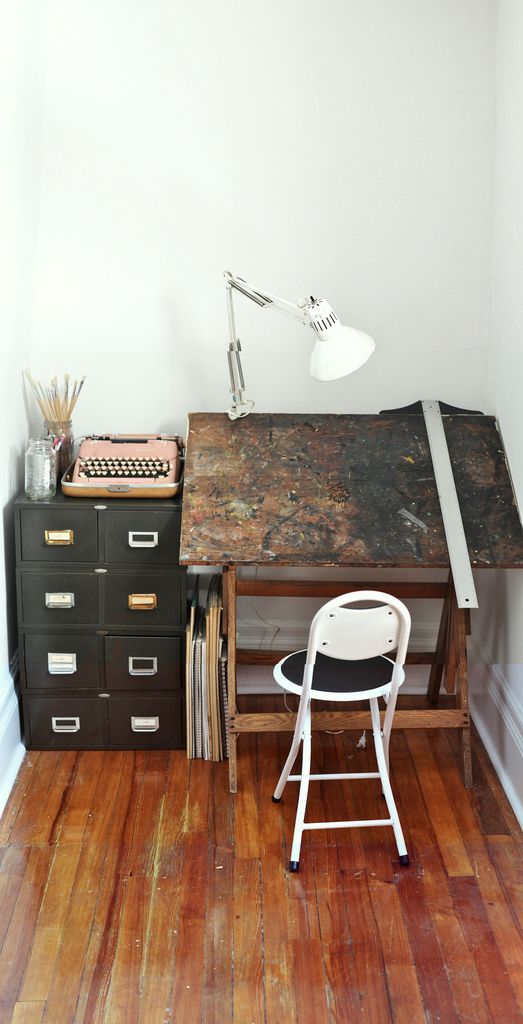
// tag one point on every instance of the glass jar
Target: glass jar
(61, 433)
(40, 469)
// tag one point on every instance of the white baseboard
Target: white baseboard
(498, 717)
(12, 749)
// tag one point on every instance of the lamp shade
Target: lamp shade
(339, 350)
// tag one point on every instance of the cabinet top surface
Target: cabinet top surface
(63, 501)
(346, 490)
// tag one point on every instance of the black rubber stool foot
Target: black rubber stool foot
(294, 865)
(404, 860)
(276, 799)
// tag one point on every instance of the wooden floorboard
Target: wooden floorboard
(135, 888)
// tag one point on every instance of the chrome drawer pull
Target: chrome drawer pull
(61, 664)
(145, 724)
(149, 669)
(143, 538)
(66, 724)
(54, 537)
(62, 600)
(142, 602)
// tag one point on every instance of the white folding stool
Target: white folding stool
(346, 661)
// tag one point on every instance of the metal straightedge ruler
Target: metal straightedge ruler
(450, 510)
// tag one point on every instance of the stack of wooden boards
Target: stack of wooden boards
(206, 676)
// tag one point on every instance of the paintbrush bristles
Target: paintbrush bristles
(56, 407)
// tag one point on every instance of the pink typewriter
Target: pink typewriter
(126, 466)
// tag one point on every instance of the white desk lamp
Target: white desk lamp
(338, 350)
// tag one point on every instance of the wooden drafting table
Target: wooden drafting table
(355, 491)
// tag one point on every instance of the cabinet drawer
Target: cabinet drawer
(147, 537)
(148, 600)
(65, 723)
(146, 722)
(59, 599)
(58, 535)
(61, 661)
(143, 663)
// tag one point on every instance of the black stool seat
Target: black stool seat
(336, 675)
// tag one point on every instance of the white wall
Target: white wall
(497, 682)
(339, 147)
(21, 95)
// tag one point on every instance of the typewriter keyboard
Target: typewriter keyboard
(129, 469)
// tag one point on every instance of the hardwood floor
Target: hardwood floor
(134, 888)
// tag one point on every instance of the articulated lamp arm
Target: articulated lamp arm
(338, 350)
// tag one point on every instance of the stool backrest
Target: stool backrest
(353, 634)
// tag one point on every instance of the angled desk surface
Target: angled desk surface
(355, 491)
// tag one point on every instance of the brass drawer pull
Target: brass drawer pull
(142, 602)
(59, 537)
(62, 600)
(66, 724)
(143, 538)
(61, 664)
(148, 667)
(145, 724)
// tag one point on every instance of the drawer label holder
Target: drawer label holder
(141, 724)
(142, 602)
(69, 724)
(141, 666)
(59, 537)
(59, 600)
(59, 664)
(143, 538)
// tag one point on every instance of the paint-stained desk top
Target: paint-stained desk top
(350, 490)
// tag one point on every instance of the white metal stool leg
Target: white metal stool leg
(385, 782)
(293, 752)
(304, 790)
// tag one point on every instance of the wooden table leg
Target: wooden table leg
(231, 673)
(442, 645)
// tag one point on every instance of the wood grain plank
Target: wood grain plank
(188, 985)
(73, 965)
(71, 826)
(435, 788)
(99, 959)
(426, 859)
(246, 836)
(163, 913)
(488, 959)
(123, 997)
(402, 982)
(248, 993)
(50, 922)
(309, 982)
(367, 957)
(27, 823)
(506, 933)
(19, 937)
(218, 962)
(28, 1013)
(506, 856)
(18, 795)
(13, 865)
(426, 951)
(158, 957)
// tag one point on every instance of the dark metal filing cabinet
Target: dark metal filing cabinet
(101, 615)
